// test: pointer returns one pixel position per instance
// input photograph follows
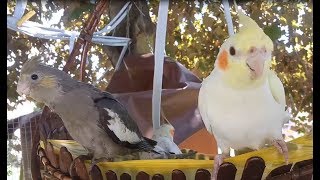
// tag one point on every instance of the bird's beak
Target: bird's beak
(256, 61)
(22, 88)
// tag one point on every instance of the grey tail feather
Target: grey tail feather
(145, 146)
(150, 141)
(154, 151)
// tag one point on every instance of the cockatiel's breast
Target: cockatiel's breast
(240, 118)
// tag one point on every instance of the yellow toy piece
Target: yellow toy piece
(26, 17)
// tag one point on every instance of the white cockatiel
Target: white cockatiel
(242, 101)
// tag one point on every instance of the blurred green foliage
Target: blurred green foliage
(195, 32)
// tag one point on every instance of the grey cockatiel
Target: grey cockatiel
(93, 118)
(164, 136)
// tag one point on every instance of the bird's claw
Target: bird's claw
(96, 161)
(82, 158)
(281, 145)
(218, 160)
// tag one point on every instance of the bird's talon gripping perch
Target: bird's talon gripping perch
(281, 145)
(218, 160)
(96, 161)
(82, 158)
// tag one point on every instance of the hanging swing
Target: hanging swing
(260, 163)
(57, 155)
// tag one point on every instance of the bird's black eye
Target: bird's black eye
(232, 51)
(34, 77)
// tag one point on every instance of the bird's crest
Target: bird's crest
(249, 31)
(247, 24)
(31, 64)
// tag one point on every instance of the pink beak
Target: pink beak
(22, 88)
(256, 60)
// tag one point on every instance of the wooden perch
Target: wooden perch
(262, 164)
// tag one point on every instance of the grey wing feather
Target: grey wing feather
(109, 102)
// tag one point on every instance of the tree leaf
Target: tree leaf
(273, 31)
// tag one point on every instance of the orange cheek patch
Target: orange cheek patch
(48, 82)
(223, 60)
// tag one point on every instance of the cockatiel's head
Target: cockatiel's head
(42, 83)
(245, 57)
(165, 130)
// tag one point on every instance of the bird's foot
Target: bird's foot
(82, 158)
(95, 161)
(151, 155)
(189, 155)
(281, 145)
(126, 157)
(218, 160)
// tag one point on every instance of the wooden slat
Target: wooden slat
(72, 171)
(303, 170)
(95, 173)
(67, 178)
(125, 176)
(284, 176)
(302, 164)
(280, 172)
(47, 176)
(178, 175)
(51, 169)
(65, 160)
(59, 175)
(227, 171)
(80, 169)
(110, 175)
(142, 176)
(157, 177)
(41, 153)
(202, 174)
(54, 159)
(253, 169)
(45, 161)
